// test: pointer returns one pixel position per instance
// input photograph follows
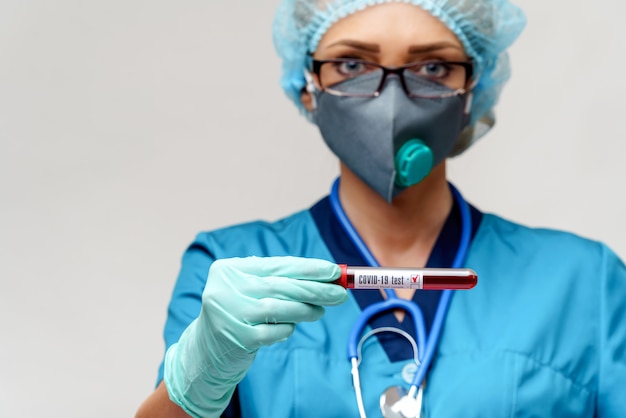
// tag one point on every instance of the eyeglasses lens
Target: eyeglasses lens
(357, 78)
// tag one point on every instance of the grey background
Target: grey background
(128, 126)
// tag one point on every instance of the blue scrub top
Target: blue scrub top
(542, 334)
(344, 251)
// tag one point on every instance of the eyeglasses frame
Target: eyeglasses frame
(316, 66)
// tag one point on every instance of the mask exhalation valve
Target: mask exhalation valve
(413, 161)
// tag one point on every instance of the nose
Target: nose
(395, 76)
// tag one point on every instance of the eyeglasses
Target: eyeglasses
(358, 78)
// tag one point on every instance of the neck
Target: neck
(401, 233)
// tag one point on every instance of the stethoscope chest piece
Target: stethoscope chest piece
(397, 402)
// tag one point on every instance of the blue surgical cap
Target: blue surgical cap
(486, 28)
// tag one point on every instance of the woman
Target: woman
(395, 89)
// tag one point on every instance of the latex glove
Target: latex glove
(247, 303)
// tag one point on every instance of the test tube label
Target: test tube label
(368, 279)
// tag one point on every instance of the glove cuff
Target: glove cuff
(199, 387)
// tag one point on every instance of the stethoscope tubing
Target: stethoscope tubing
(389, 304)
(446, 295)
(426, 347)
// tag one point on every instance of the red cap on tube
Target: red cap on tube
(343, 279)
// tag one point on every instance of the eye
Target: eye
(432, 70)
(351, 68)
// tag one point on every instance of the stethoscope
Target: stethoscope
(396, 401)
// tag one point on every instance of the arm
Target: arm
(159, 405)
(184, 307)
(247, 303)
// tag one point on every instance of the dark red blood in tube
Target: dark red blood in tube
(461, 282)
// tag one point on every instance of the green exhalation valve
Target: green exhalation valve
(414, 161)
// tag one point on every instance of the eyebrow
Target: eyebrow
(414, 49)
(356, 44)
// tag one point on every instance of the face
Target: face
(390, 34)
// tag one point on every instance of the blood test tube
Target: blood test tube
(406, 278)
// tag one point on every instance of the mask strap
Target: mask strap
(310, 87)
(468, 103)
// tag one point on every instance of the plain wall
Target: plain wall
(128, 126)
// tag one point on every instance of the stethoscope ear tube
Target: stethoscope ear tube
(446, 295)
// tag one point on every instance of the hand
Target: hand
(247, 303)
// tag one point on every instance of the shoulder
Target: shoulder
(505, 246)
(543, 256)
(520, 238)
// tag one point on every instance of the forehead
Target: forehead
(390, 24)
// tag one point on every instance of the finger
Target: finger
(287, 266)
(275, 311)
(266, 334)
(312, 292)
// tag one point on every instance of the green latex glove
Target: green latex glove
(247, 303)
